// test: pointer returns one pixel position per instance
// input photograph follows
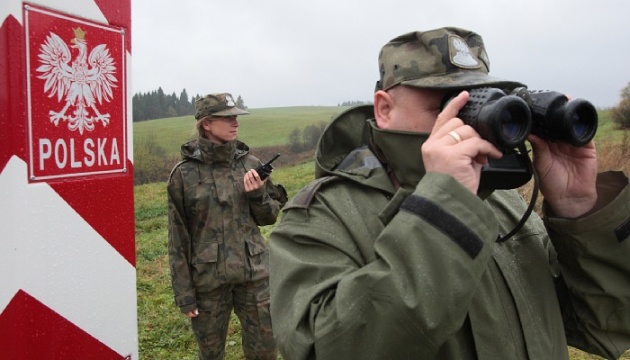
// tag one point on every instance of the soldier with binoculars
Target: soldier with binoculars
(412, 242)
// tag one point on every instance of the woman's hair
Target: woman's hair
(199, 126)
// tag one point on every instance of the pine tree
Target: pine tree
(183, 107)
(240, 103)
(157, 105)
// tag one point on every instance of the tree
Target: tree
(240, 103)
(310, 137)
(354, 103)
(161, 102)
(184, 106)
(621, 113)
(157, 105)
(151, 161)
(170, 112)
(295, 146)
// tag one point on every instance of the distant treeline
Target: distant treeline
(355, 103)
(157, 105)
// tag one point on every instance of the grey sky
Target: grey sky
(288, 53)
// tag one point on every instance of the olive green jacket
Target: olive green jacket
(213, 236)
(361, 270)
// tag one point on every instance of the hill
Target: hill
(262, 128)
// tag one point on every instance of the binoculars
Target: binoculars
(507, 118)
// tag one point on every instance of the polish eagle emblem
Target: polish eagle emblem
(83, 82)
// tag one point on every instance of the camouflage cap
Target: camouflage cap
(217, 105)
(445, 58)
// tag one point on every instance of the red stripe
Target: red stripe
(30, 330)
(118, 13)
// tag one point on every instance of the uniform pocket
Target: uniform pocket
(258, 261)
(256, 245)
(207, 253)
(204, 268)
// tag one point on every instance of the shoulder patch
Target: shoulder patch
(304, 197)
(175, 168)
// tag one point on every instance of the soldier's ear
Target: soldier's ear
(206, 124)
(383, 104)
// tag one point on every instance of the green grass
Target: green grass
(263, 127)
(165, 333)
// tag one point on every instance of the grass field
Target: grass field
(164, 333)
(263, 127)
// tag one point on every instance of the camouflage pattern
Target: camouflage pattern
(445, 58)
(214, 241)
(222, 104)
(251, 306)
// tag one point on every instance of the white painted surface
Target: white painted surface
(59, 259)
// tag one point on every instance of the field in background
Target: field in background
(164, 333)
(271, 126)
(262, 128)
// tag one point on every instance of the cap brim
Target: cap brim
(231, 111)
(461, 80)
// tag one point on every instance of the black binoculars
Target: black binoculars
(507, 118)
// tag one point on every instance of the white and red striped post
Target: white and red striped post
(67, 247)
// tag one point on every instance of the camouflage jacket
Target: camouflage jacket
(361, 269)
(213, 236)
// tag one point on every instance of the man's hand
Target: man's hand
(567, 176)
(457, 149)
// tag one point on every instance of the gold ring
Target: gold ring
(455, 136)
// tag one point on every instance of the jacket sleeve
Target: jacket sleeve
(265, 204)
(594, 253)
(329, 295)
(179, 245)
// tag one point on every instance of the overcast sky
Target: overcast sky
(288, 53)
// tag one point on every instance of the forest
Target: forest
(157, 105)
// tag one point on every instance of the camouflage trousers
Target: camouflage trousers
(250, 302)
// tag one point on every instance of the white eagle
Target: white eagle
(82, 82)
